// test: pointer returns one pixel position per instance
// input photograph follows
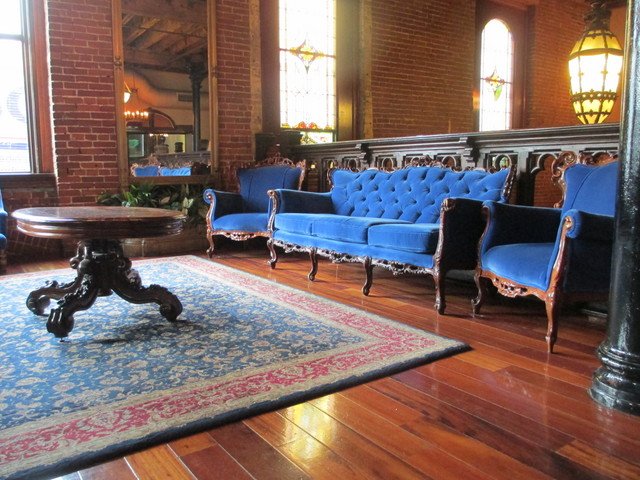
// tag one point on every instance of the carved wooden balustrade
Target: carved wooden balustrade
(531, 150)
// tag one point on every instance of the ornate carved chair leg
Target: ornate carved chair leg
(552, 304)
(440, 303)
(477, 302)
(274, 255)
(313, 255)
(211, 245)
(3, 261)
(368, 270)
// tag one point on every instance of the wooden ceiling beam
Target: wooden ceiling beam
(192, 11)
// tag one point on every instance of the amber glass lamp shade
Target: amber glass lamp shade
(594, 67)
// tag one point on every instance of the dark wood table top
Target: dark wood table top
(98, 222)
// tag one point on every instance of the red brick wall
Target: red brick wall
(422, 66)
(555, 26)
(234, 83)
(23, 194)
(546, 193)
(83, 98)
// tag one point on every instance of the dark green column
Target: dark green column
(616, 383)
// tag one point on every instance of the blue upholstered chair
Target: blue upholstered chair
(148, 171)
(3, 236)
(244, 215)
(173, 172)
(555, 254)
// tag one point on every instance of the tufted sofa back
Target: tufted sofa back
(413, 194)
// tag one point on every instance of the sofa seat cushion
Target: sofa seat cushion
(345, 228)
(415, 237)
(299, 223)
(524, 263)
(244, 222)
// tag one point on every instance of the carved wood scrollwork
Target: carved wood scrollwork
(509, 289)
(398, 268)
(242, 236)
(452, 162)
(566, 159)
(501, 161)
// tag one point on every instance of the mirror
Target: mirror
(165, 84)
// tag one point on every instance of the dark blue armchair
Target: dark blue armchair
(555, 254)
(244, 215)
(3, 236)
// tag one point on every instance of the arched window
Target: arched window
(308, 68)
(496, 76)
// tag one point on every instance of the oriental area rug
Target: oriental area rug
(126, 378)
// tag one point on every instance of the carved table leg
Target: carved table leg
(102, 269)
(60, 321)
(127, 285)
(39, 299)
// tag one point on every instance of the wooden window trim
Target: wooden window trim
(516, 19)
(37, 81)
(347, 67)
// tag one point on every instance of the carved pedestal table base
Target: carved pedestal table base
(101, 266)
(102, 270)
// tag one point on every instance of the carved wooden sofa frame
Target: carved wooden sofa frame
(445, 258)
(214, 197)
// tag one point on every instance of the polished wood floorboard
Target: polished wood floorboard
(504, 410)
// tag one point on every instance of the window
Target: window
(307, 48)
(496, 76)
(14, 131)
(25, 129)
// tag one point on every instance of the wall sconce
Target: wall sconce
(594, 67)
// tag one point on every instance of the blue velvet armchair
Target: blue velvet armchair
(3, 236)
(555, 254)
(244, 215)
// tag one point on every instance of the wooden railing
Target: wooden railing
(531, 150)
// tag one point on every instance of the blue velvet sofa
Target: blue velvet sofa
(420, 219)
(554, 254)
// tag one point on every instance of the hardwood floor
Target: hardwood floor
(505, 409)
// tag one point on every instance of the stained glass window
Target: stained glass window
(14, 150)
(496, 76)
(308, 68)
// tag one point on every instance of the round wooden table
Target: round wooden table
(102, 268)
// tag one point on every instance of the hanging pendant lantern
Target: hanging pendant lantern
(595, 64)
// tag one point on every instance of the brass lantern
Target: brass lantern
(595, 64)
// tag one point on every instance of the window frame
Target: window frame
(347, 61)
(36, 74)
(515, 18)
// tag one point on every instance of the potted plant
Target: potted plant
(186, 198)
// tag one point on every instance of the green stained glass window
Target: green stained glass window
(308, 68)
(496, 76)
